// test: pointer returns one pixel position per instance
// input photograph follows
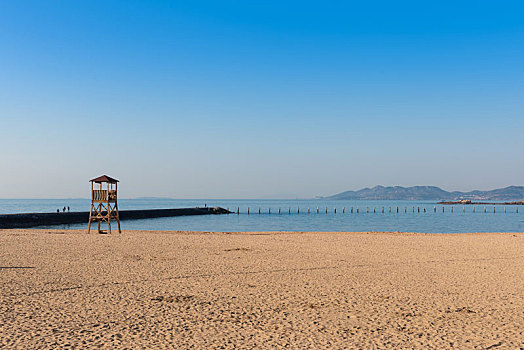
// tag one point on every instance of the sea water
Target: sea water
(294, 215)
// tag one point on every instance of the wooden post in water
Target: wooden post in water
(343, 210)
(247, 210)
(357, 210)
(278, 211)
(405, 209)
(413, 209)
(289, 211)
(374, 210)
(238, 210)
(326, 210)
(298, 210)
(258, 210)
(269, 211)
(418, 209)
(382, 210)
(308, 210)
(335, 210)
(397, 210)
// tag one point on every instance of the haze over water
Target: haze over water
(429, 221)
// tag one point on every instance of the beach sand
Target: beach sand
(181, 290)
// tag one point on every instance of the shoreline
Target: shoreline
(255, 233)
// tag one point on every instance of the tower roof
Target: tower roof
(104, 178)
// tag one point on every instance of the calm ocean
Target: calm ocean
(462, 219)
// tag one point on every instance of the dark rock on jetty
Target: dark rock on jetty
(49, 219)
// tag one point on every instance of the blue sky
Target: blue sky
(234, 99)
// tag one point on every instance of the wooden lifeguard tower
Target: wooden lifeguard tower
(104, 206)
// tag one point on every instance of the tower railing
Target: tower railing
(103, 195)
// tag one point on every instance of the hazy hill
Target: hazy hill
(511, 193)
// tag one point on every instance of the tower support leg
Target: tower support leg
(90, 216)
(118, 218)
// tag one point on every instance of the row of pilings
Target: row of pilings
(356, 210)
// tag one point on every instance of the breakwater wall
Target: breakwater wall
(48, 219)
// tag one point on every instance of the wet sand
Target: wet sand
(152, 290)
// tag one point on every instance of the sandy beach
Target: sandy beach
(153, 290)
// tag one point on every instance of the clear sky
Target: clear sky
(259, 99)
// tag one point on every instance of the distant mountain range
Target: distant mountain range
(511, 193)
